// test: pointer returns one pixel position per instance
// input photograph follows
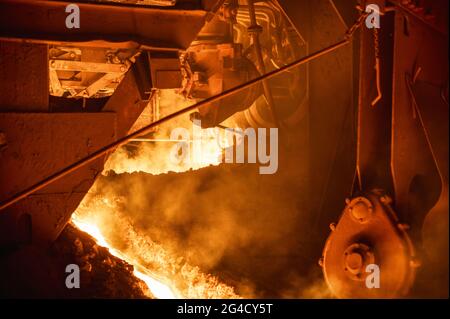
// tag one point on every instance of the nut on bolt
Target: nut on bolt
(386, 199)
(415, 262)
(361, 209)
(356, 257)
(320, 262)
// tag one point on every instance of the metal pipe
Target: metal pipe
(146, 129)
(254, 30)
(150, 26)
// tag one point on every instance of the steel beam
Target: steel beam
(107, 25)
(24, 77)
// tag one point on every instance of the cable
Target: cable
(146, 129)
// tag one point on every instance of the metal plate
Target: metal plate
(36, 145)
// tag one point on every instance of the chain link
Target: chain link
(376, 45)
(356, 25)
(376, 39)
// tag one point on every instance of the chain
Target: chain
(376, 39)
(349, 34)
(356, 25)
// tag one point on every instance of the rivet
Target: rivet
(333, 226)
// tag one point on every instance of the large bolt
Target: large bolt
(361, 211)
(415, 262)
(356, 257)
(354, 263)
(320, 262)
(386, 199)
(333, 226)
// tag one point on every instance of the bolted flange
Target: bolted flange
(368, 233)
(361, 209)
(356, 258)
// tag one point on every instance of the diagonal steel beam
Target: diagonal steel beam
(97, 154)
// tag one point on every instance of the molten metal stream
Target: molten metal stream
(100, 214)
(158, 288)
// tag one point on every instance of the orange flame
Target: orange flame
(167, 278)
(157, 288)
(166, 275)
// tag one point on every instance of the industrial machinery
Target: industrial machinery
(372, 104)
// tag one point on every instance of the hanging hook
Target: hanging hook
(377, 67)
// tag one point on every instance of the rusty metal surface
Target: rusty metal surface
(436, 126)
(116, 25)
(432, 110)
(23, 77)
(165, 70)
(281, 43)
(87, 72)
(212, 69)
(254, 31)
(374, 121)
(403, 148)
(37, 145)
(215, 63)
(331, 113)
(369, 232)
(432, 13)
(420, 56)
(131, 96)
